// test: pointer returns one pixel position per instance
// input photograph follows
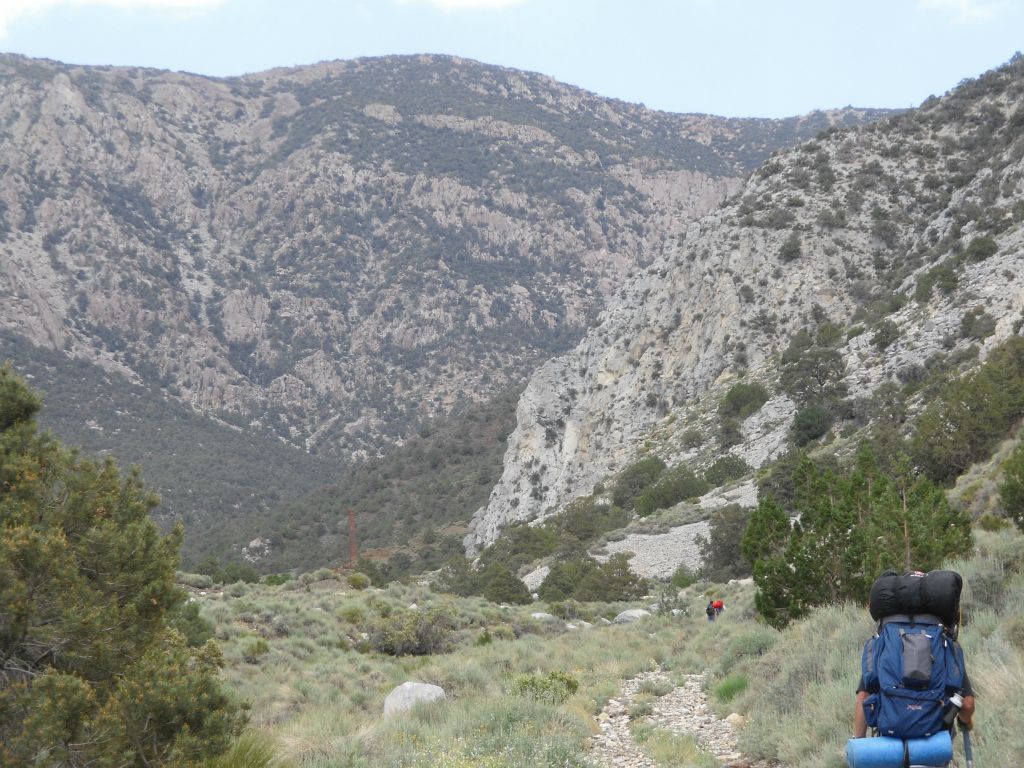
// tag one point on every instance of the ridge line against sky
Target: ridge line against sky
(740, 58)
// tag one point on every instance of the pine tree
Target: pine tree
(91, 671)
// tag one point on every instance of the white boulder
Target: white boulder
(409, 694)
(633, 614)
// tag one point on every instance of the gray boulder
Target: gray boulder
(633, 614)
(409, 694)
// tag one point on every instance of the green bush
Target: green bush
(277, 579)
(743, 400)
(682, 577)
(564, 577)
(980, 248)
(969, 417)
(358, 580)
(255, 650)
(810, 423)
(977, 324)
(503, 586)
(723, 559)
(519, 545)
(692, 438)
(554, 688)
(194, 580)
(790, 248)
(730, 687)
(194, 628)
(886, 333)
(1015, 632)
(675, 485)
(584, 579)
(634, 479)
(725, 470)
(657, 687)
(611, 581)
(1011, 491)
(992, 523)
(413, 633)
(584, 519)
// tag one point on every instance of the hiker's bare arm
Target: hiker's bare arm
(967, 712)
(860, 725)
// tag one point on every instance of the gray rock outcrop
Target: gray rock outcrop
(861, 230)
(631, 615)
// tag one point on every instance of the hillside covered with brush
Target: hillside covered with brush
(834, 292)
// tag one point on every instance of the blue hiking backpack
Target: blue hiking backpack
(910, 669)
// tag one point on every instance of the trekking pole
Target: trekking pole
(968, 751)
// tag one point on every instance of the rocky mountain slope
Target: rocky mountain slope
(332, 254)
(897, 247)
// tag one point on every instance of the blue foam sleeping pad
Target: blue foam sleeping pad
(883, 752)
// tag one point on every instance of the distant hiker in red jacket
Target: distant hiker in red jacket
(718, 606)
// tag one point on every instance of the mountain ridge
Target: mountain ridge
(335, 256)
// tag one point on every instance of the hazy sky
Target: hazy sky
(728, 57)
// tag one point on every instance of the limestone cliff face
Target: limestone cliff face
(333, 253)
(901, 234)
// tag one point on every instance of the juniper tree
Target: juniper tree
(91, 673)
(852, 526)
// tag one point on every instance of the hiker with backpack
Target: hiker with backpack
(710, 611)
(914, 685)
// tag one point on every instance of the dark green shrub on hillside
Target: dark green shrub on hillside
(230, 573)
(829, 335)
(457, 577)
(675, 485)
(692, 438)
(813, 374)
(585, 580)
(810, 423)
(584, 519)
(730, 432)
(725, 470)
(790, 248)
(971, 415)
(502, 586)
(886, 333)
(723, 558)
(977, 324)
(521, 544)
(743, 400)
(1011, 491)
(634, 478)
(980, 248)
(610, 582)
(563, 578)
